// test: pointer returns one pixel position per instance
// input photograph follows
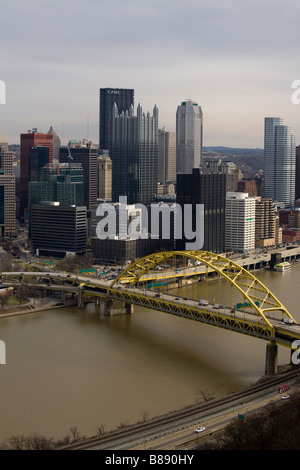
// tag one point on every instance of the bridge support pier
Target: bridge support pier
(117, 307)
(80, 298)
(63, 296)
(271, 358)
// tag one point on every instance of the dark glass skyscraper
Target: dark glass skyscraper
(135, 156)
(58, 229)
(86, 153)
(30, 141)
(123, 98)
(209, 190)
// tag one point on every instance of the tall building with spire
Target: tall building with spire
(279, 162)
(189, 137)
(135, 155)
(7, 191)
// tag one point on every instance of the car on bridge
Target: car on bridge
(287, 321)
(203, 302)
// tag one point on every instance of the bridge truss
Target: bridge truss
(260, 300)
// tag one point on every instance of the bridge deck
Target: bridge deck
(246, 322)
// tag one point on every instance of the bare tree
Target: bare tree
(100, 430)
(204, 395)
(21, 293)
(4, 299)
(6, 262)
(75, 433)
(145, 415)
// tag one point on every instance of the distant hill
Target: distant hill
(250, 161)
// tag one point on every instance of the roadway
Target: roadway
(177, 430)
(215, 314)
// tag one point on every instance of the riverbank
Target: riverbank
(36, 306)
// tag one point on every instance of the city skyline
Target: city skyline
(225, 55)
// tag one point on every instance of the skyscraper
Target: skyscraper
(7, 191)
(279, 162)
(86, 153)
(297, 190)
(56, 144)
(57, 230)
(166, 156)
(38, 158)
(189, 136)
(209, 190)
(105, 176)
(264, 222)
(123, 98)
(240, 222)
(28, 142)
(134, 155)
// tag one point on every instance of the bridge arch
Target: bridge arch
(253, 291)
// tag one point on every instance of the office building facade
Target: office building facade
(124, 99)
(38, 158)
(61, 182)
(7, 191)
(189, 137)
(56, 144)
(104, 177)
(209, 190)
(297, 185)
(58, 230)
(279, 162)
(29, 141)
(135, 156)
(166, 156)
(264, 222)
(86, 153)
(240, 222)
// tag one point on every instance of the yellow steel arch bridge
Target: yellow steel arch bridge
(260, 313)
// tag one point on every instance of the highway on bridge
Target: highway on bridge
(243, 321)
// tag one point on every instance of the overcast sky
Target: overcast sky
(236, 58)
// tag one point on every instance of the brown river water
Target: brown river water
(76, 367)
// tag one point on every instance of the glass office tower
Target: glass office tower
(124, 99)
(189, 137)
(209, 190)
(279, 162)
(135, 155)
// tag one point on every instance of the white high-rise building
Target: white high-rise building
(7, 191)
(240, 222)
(279, 162)
(189, 137)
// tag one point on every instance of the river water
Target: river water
(77, 368)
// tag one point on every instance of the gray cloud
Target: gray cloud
(236, 58)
